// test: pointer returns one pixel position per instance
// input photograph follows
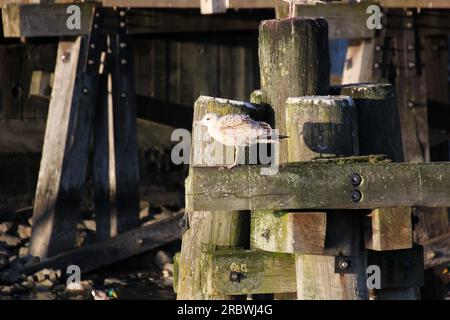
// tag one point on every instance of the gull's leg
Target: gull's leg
(291, 6)
(236, 155)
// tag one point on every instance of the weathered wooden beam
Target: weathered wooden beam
(45, 20)
(319, 186)
(117, 248)
(65, 152)
(345, 20)
(37, 20)
(389, 229)
(238, 272)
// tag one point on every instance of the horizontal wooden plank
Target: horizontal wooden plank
(37, 20)
(239, 272)
(122, 246)
(44, 20)
(345, 21)
(243, 4)
(319, 186)
(232, 4)
(240, 4)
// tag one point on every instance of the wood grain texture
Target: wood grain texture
(223, 228)
(258, 271)
(321, 127)
(294, 62)
(288, 232)
(389, 229)
(64, 157)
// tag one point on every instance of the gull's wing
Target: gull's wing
(242, 126)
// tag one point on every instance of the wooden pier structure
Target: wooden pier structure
(365, 156)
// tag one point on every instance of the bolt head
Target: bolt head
(66, 56)
(344, 264)
(123, 61)
(85, 90)
(356, 196)
(356, 179)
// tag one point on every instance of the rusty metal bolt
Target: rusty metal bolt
(356, 196)
(122, 13)
(66, 56)
(356, 180)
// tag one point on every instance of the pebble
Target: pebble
(74, 286)
(9, 241)
(6, 226)
(114, 281)
(24, 231)
(23, 252)
(45, 285)
(161, 259)
(90, 225)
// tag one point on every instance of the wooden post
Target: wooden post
(116, 165)
(221, 228)
(65, 153)
(379, 133)
(294, 61)
(378, 119)
(328, 125)
(285, 47)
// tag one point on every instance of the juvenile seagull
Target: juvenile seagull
(293, 3)
(238, 130)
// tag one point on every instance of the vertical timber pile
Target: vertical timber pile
(219, 228)
(387, 229)
(65, 152)
(294, 61)
(328, 127)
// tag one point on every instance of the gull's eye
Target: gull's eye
(207, 118)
